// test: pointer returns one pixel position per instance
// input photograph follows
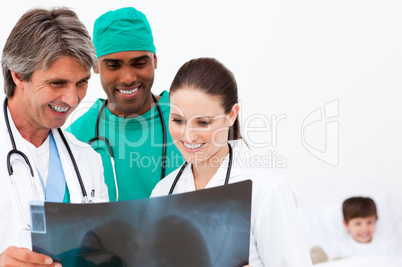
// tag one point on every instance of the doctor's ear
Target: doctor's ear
(17, 79)
(155, 62)
(96, 69)
(233, 113)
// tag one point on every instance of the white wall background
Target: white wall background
(290, 58)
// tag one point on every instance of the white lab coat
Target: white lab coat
(89, 162)
(277, 238)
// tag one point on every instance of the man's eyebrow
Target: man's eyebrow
(86, 78)
(112, 60)
(139, 58)
(121, 61)
(61, 80)
(58, 80)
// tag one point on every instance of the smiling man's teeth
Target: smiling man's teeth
(128, 92)
(191, 146)
(58, 109)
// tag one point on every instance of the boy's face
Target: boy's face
(361, 229)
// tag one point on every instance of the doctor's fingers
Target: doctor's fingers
(24, 257)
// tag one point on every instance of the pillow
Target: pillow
(320, 206)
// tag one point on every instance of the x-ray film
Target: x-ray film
(208, 227)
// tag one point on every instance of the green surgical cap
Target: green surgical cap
(124, 29)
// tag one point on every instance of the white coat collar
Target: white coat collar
(239, 151)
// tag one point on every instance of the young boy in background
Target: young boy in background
(360, 218)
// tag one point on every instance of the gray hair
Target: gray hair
(42, 36)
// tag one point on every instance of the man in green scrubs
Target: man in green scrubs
(126, 62)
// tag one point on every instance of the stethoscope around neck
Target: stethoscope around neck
(14, 151)
(186, 163)
(97, 137)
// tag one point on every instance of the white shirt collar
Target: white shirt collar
(240, 150)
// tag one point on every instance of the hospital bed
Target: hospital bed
(320, 206)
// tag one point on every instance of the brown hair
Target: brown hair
(356, 207)
(213, 78)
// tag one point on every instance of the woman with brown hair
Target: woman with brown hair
(205, 127)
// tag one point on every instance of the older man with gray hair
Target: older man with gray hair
(46, 67)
